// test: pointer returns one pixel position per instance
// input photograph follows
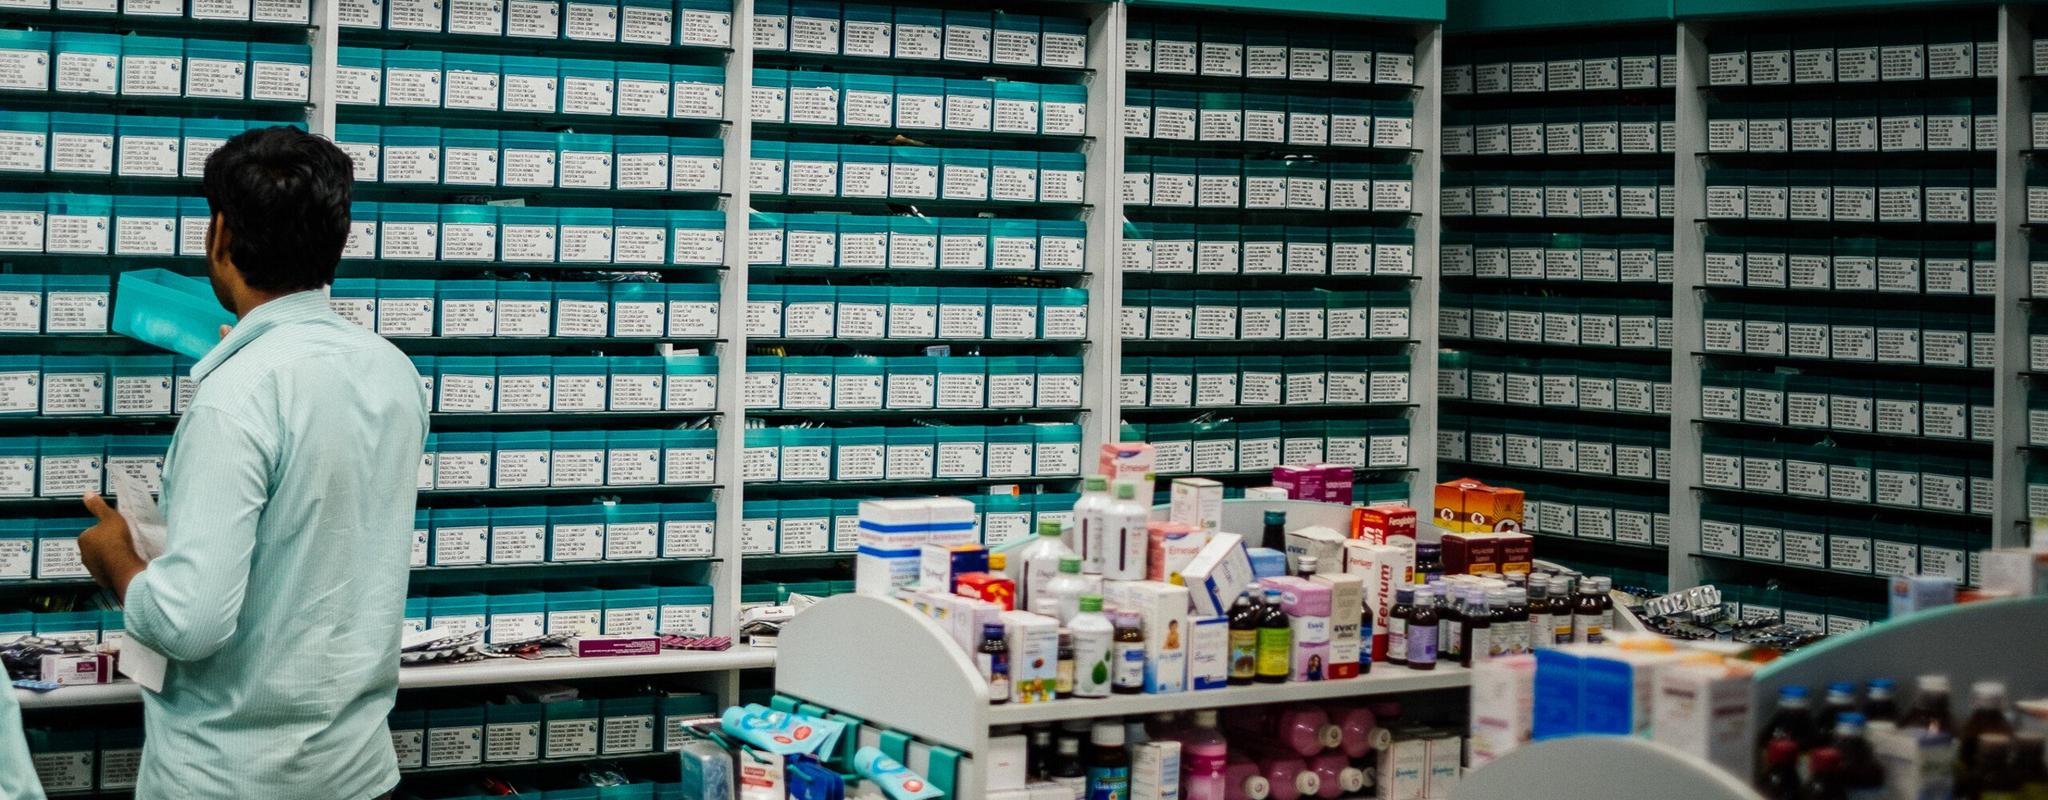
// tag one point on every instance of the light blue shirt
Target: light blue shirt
(17, 774)
(279, 598)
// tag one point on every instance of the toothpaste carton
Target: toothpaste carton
(1325, 544)
(1196, 503)
(939, 565)
(1034, 641)
(1217, 574)
(1382, 522)
(1173, 546)
(1162, 611)
(1128, 461)
(1347, 611)
(1503, 702)
(1208, 652)
(1301, 482)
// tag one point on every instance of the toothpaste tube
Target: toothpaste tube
(781, 733)
(896, 780)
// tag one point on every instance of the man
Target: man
(288, 495)
(17, 774)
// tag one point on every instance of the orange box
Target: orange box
(1450, 504)
(1495, 509)
(985, 586)
(1382, 522)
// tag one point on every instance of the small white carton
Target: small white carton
(1218, 574)
(1196, 503)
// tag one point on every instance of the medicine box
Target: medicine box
(1218, 574)
(1162, 611)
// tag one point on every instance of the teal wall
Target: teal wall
(1405, 10)
(1478, 16)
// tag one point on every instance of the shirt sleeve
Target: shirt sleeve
(17, 773)
(185, 605)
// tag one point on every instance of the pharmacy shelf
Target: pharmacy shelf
(1540, 474)
(783, 487)
(527, 570)
(1295, 409)
(1601, 768)
(1384, 679)
(510, 766)
(913, 413)
(833, 652)
(480, 673)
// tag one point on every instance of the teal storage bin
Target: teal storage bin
(1013, 176)
(964, 174)
(697, 237)
(686, 529)
(533, 84)
(813, 170)
(961, 450)
(913, 243)
(911, 382)
(31, 129)
(170, 311)
(152, 66)
(1057, 450)
(31, 51)
(914, 173)
(572, 725)
(804, 526)
(87, 63)
(964, 243)
(631, 612)
(412, 78)
(585, 161)
(81, 143)
(588, 87)
(814, 98)
(1063, 110)
(910, 454)
(920, 34)
(759, 526)
(1016, 108)
(685, 611)
(460, 537)
(964, 312)
(970, 105)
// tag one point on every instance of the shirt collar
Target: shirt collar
(287, 310)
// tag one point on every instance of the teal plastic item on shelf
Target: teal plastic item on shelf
(585, 161)
(81, 143)
(814, 98)
(699, 91)
(805, 526)
(970, 105)
(813, 169)
(412, 78)
(920, 102)
(78, 223)
(1013, 245)
(1062, 245)
(964, 243)
(1011, 450)
(631, 612)
(30, 50)
(1013, 176)
(914, 173)
(913, 243)
(152, 66)
(1058, 450)
(532, 84)
(589, 87)
(858, 454)
(759, 526)
(1063, 110)
(910, 454)
(911, 382)
(920, 34)
(1016, 108)
(964, 312)
(171, 311)
(32, 130)
(87, 63)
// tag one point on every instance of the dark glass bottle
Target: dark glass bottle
(1422, 631)
(1791, 723)
(1586, 615)
(1521, 639)
(1862, 776)
(1063, 678)
(1066, 769)
(1987, 716)
(1930, 706)
(1397, 626)
(993, 656)
(1041, 753)
(1881, 701)
(2029, 766)
(1244, 640)
(1841, 697)
(1477, 642)
(1991, 772)
(1127, 649)
(1429, 563)
(1276, 641)
(1778, 771)
(1275, 533)
(1450, 640)
(1824, 776)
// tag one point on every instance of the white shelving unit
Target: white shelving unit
(895, 669)
(481, 673)
(1599, 768)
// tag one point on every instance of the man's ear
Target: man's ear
(217, 237)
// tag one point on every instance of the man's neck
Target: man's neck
(251, 300)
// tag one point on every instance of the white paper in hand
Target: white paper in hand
(146, 526)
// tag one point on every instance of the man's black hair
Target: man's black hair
(283, 195)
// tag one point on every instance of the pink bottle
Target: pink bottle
(1306, 730)
(1289, 777)
(1336, 776)
(1204, 752)
(1242, 781)
(1358, 730)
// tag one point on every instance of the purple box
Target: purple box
(608, 646)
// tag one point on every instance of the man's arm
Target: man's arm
(186, 602)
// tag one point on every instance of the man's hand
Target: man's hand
(108, 549)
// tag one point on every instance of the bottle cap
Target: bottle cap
(1792, 693)
(1309, 563)
(1273, 595)
(1095, 483)
(1069, 746)
(1843, 688)
(1205, 718)
(1560, 584)
(1257, 786)
(1070, 565)
(1932, 683)
(1276, 518)
(1496, 597)
(1307, 783)
(1091, 602)
(1126, 490)
(998, 562)
(1850, 720)
(1517, 594)
(1404, 595)
(1988, 694)
(1049, 527)
(992, 629)
(1107, 734)
(1883, 685)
